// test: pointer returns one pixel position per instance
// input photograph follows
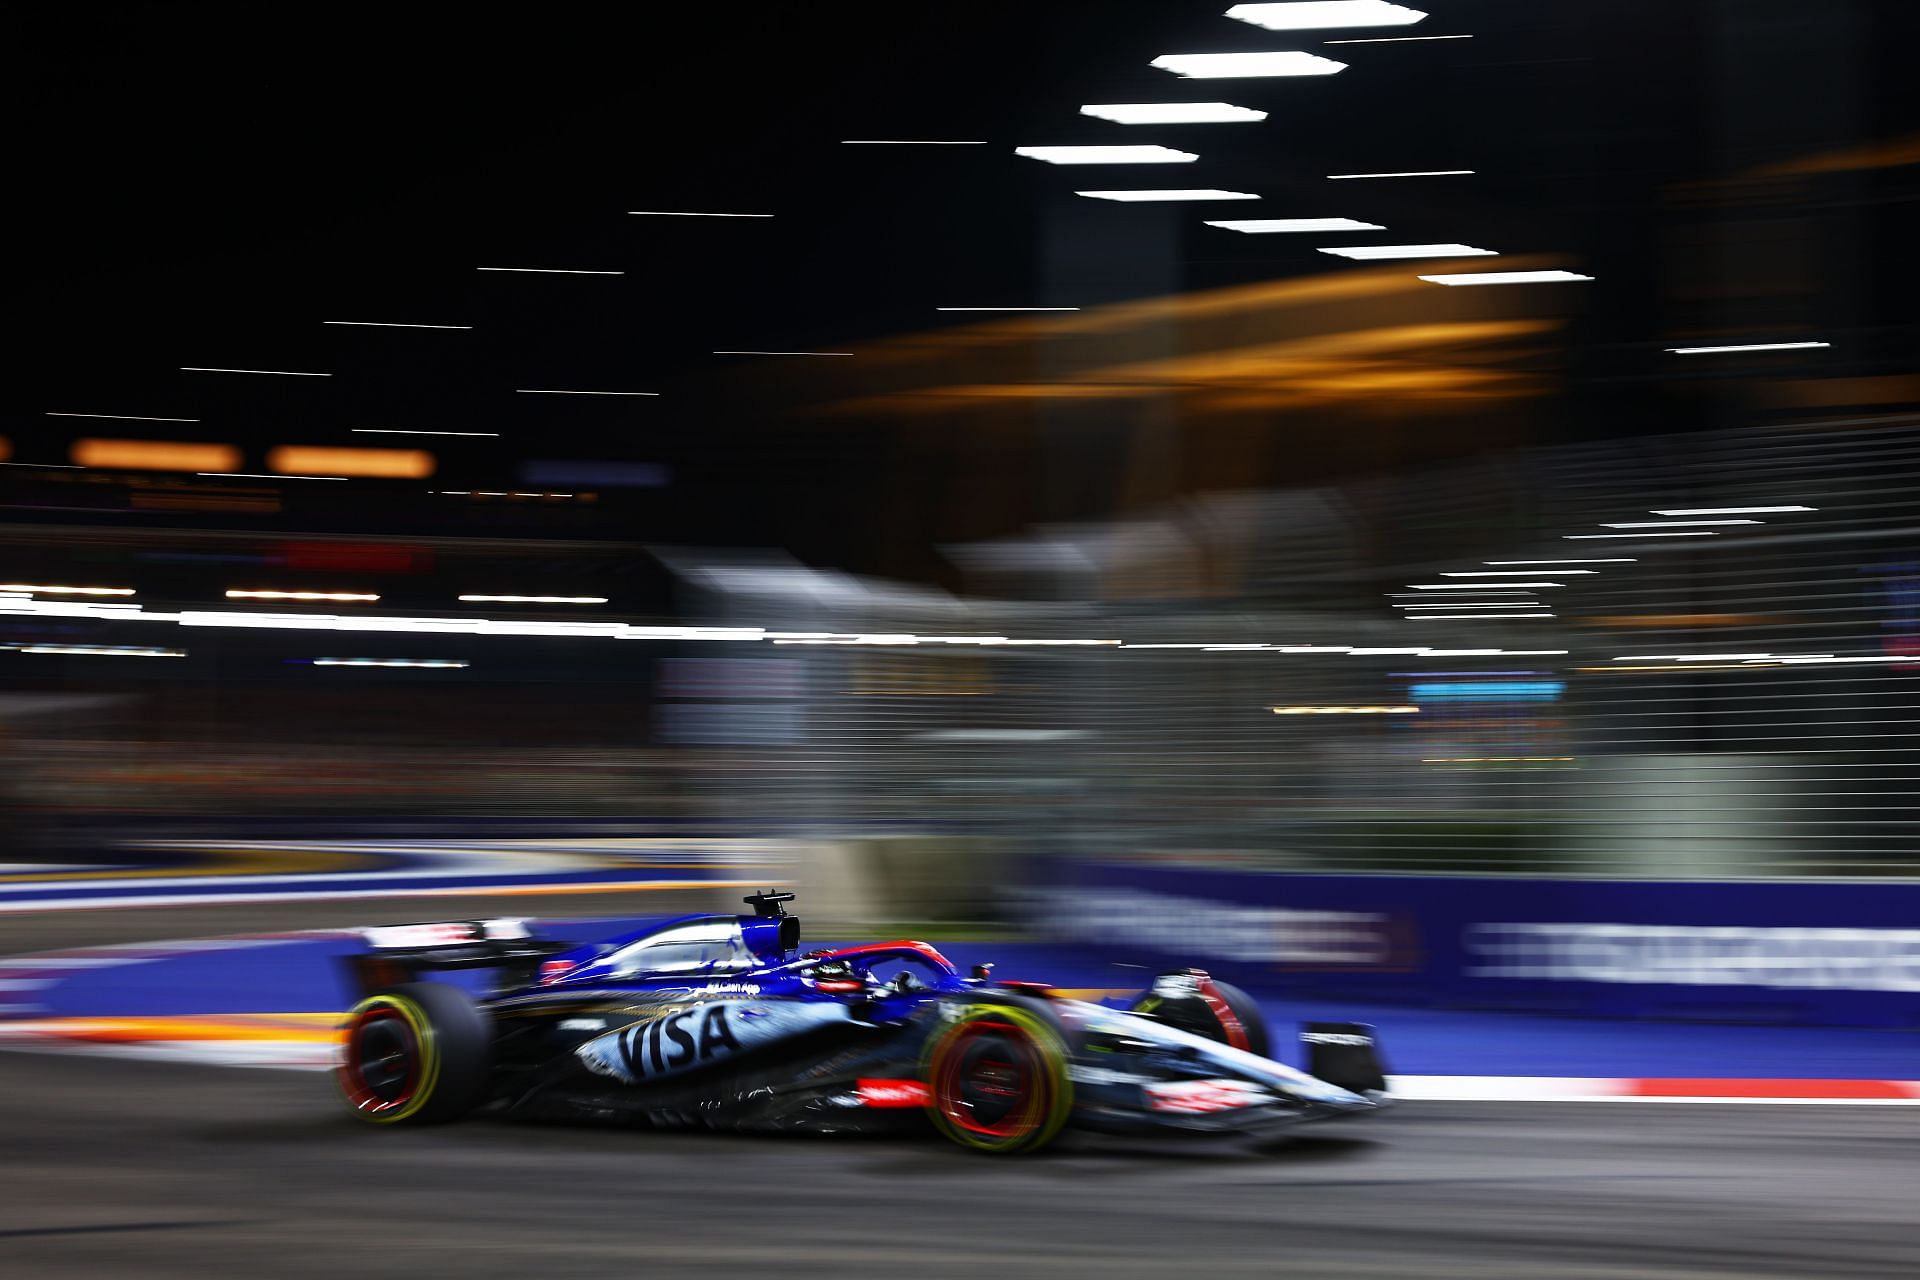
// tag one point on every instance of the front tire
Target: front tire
(417, 1054)
(997, 1077)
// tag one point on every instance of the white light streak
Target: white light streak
(1242, 66)
(1728, 511)
(1172, 112)
(1410, 173)
(112, 612)
(105, 650)
(1367, 252)
(1509, 573)
(264, 475)
(1678, 533)
(1475, 586)
(1395, 39)
(1197, 193)
(1707, 657)
(534, 599)
(537, 391)
(1607, 560)
(390, 662)
(1828, 660)
(407, 431)
(1467, 604)
(278, 373)
(41, 589)
(394, 324)
(1747, 346)
(783, 353)
(1345, 711)
(118, 417)
(1507, 277)
(1307, 15)
(553, 271)
(678, 213)
(1665, 524)
(584, 630)
(300, 595)
(1459, 617)
(1266, 226)
(1145, 153)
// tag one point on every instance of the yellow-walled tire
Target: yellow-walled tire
(417, 1054)
(997, 1078)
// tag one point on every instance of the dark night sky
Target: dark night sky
(204, 185)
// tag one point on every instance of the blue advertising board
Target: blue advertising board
(1815, 953)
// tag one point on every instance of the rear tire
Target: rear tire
(1217, 1010)
(417, 1054)
(997, 1077)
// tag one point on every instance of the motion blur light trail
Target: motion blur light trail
(281, 871)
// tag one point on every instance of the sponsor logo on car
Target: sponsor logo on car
(694, 1035)
(1336, 1037)
(1200, 1097)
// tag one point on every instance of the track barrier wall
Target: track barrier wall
(1814, 953)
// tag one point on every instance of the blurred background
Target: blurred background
(351, 328)
(1420, 512)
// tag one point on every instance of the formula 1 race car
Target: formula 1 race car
(720, 1022)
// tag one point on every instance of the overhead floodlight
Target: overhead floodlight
(1172, 112)
(1413, 251)
(1247, 66)
(536, 599)
(395, 324)
(1309, 15)
(1747, 346)
(1507, 277)
(1263, 226)
(117, 417)
(1140, 154)
(1204, 193)
(1409, 173)
(1727, 511)
(1662, 524)
(278, 373)
(1397, 39)
(409, 431)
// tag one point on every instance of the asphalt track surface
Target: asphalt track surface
(118, 1168)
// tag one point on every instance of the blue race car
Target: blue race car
(722, 1022)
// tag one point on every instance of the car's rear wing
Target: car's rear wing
(403, 953)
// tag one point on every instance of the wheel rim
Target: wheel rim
(381, 1069)
(991, 1082)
